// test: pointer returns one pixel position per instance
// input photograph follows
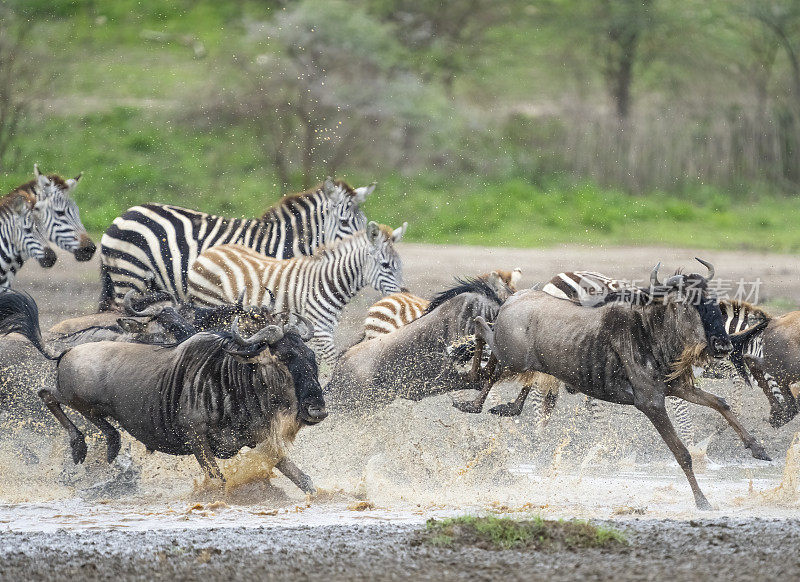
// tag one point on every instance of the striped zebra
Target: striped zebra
(20, 238)
(317, 286)
(399, 309)
(56, 213)
(153, 246)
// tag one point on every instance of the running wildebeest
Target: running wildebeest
(411, 362)
(209, 396)
(620, 352)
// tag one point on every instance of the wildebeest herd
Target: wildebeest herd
(210, 330)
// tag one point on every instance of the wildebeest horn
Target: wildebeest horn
(131, 310)
(270, 334)
(654, 275)
(708, 266)
(307, 323)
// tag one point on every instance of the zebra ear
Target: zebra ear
(397, 233)
(373, 232)
(516, 277)
(41, 179)
(361, 193)
(72, 182)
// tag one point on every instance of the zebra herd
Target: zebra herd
(312, 252)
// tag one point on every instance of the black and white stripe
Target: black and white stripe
(57, 214)
(153, 246)
(20, 239)
(318, 286)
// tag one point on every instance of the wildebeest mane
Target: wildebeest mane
(465, 285)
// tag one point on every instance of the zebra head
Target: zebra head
(384, 269)
(344, 216)
(57, 215)
(27, 237)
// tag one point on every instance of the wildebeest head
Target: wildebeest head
(689, 293)
(384, 270)
(286, 344)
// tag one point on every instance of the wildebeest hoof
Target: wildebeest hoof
(78, 450)
(703, 504)
(759, 453)
(506, 410)
(113, 442)
(468, 406)
(307, 486)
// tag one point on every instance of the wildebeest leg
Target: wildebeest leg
(113, 441)
(660, 419)
(513, 408)
(204, 456)
(475, 372)
(698, 396)
(77, 442)
(296, 475)
(476, 406)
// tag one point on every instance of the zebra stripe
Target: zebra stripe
(20, 239)
(153, 246)
(318, 286)
(399, 309)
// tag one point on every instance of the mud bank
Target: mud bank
(691, 550)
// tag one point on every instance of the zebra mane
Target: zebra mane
(291, 200)
(7, 201)
(466, 285)
(754, 310)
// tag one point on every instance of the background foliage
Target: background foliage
(484, 121)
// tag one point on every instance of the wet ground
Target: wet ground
(383, 474)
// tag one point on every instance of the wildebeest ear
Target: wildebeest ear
(361, 193)
(373, 232)
(397, 233)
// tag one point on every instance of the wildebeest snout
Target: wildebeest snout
(48, 259)
(721, 346)
(312, 412)
(86, 249)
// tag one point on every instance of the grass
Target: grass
(504, 533)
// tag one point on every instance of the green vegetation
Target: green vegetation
(504, 533)
(517, 123)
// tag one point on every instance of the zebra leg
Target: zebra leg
(683, 419)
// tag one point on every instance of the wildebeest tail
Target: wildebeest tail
(740, 342)
(484, 331)
(19, 314)
(107, 290)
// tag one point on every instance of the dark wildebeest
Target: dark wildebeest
(411, 362)
(621, 353)
(210, 395)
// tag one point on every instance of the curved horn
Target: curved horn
(270, 334)
(654, 275)
(708, 266)
(307, 323)
(131, 310)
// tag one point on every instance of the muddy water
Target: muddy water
(392, 469)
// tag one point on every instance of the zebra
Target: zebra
(153, 246)
(317, 286)
(20, 238)
(399, 309)
(56, 213)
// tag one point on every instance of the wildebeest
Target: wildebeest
(209, 396)
(412, 362)
(621, 353)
